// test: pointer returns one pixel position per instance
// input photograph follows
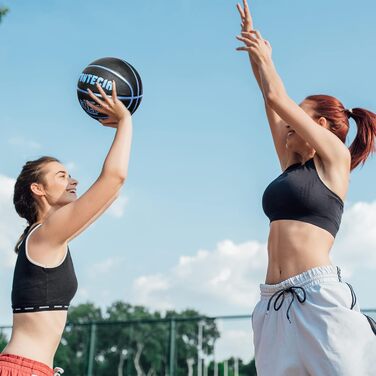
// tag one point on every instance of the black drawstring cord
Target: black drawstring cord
(281, 295)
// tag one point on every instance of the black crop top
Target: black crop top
(299, 194)
(37, 288)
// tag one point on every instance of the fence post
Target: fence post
(172, 347)
(93, 330)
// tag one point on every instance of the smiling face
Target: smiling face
(57, 188)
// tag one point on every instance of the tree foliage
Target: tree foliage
(3, 341)
(3, 12)
(139, 347)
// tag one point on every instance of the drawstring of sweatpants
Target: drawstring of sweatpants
(281, 297)
(58, 371)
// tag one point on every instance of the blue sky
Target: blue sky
(202, 154)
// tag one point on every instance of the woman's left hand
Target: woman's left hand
(259, 48)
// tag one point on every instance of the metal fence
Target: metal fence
(173, 346)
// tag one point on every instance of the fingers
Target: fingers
(246, 8)
(247, 14)
(103, 94)
(241, 12)
(103, 109)
(245, 48)
(248, 39)
(107, 121)
(95, 98)
(114, 94)
(253, 35)
(247, 42)
(257, 33)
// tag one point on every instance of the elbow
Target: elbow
(122, 178)
(271, 98)
(115, 177)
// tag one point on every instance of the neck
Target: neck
(43, 214)
(300, 157)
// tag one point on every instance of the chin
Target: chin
(68, 201)
(293, 145)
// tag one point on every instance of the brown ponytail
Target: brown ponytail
(23, 200)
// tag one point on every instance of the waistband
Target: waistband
(326, 273)
(25, 365)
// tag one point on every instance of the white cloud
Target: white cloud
(104, 266)
(19, 141)
(222, 281)
(355, 246)
(148, 289)
(235, 340)
(226, 280)
(117, 207)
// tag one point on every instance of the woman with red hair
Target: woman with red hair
(307, 321)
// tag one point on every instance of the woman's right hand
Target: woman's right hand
(110, 106)
(245, 15)
(248, 33)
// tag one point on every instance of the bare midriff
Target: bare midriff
(37, 335)
(294, 247)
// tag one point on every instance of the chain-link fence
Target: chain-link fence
(173, 346)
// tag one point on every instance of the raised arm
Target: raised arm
(277, 125)
(68, 221)
(328, 146)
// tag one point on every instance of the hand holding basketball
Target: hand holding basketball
(110, 106)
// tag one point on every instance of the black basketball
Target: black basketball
(104, 71)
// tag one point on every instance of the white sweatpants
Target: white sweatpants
(310, 330)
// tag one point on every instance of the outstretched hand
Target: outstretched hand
(245, 15)
(259, 49)
(110, 106)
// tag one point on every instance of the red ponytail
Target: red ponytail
(338, 117)
(364, 142)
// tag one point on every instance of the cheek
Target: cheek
(58, 189)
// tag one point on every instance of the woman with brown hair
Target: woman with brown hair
(307, 321)
(44, 280)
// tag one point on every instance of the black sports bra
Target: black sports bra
(299, 194)
(37, 288)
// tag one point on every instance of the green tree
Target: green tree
(139, 347)
(73, 352)
(187, 341)
(3, 341)
(3, 12)
(248, 369)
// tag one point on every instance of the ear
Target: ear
(323, 122)
(37, 189)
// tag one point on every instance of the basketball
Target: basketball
(104, 71)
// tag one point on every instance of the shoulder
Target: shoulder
(41, 251)
(334, 175)
(337, 167)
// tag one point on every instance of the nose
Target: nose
(73, 181)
